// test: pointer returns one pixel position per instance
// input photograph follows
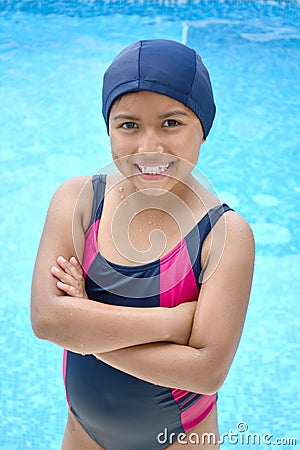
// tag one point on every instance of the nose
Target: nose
(150, 143)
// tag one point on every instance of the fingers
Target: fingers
(71, 267)
(67, 272)
(70, 290)
(70, 277)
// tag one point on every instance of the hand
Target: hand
(70, 277)
(183, 322)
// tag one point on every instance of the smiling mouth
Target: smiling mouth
(154, 170)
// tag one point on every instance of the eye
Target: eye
(129, 125)
(171, 123)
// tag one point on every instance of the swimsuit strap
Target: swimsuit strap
(99, 183)
(211, 218)
(196, 237)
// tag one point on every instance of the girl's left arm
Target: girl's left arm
(218, 322)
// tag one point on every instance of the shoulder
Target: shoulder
(73, 186)
(238, 249)
(237, 228)
(73, 198)
(231, 240)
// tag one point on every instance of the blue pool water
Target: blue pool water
(52, 57)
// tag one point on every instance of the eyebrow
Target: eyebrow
(175, 112)
(124, 116)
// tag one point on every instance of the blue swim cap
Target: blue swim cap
(165, 67)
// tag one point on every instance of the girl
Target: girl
(150, 296)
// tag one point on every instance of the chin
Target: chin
(154, 188)
(153, 191)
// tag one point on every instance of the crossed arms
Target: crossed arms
(189, 347)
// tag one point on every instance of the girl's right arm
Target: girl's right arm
(82, 325)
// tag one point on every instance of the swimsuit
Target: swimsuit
(117, 410)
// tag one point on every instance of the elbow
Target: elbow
(40, 325)
(214, 374)
(213, 384)
(210, 387)
(42, 320)
(50, 322)
(39, 329)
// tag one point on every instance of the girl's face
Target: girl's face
(155, 140)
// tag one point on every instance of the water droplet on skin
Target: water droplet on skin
(121, 189)
(149, 223)
(122, 197)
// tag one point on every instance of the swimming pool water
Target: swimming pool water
(52, 57)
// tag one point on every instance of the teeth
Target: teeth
(154, 170)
